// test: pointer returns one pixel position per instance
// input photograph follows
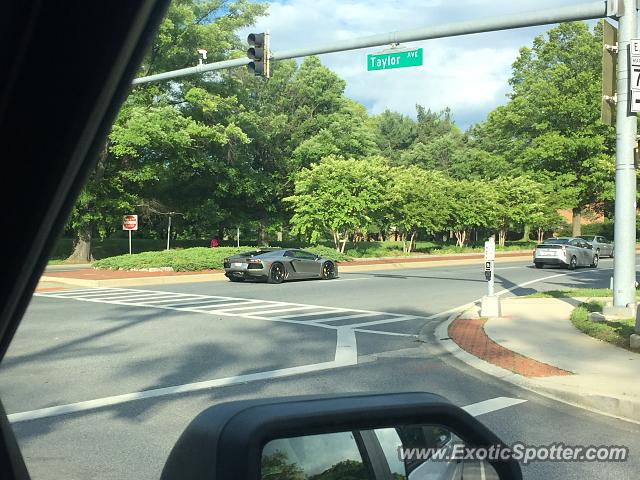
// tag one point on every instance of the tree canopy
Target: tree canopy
(294, 153)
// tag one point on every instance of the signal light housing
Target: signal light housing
(259, 54)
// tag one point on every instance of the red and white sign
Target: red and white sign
(130, 222)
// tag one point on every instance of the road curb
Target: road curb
(597, 402)
(217, 277)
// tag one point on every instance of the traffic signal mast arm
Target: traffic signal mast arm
(584, 11)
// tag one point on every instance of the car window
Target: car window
(556, 241)
(575, 243)
(304, 255)
(327, 456)
(391, 444)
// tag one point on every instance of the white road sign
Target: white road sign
(635, 78)
(490, 250)
(634, 101)
(634, 46)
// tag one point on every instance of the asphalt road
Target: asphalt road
(99, 383)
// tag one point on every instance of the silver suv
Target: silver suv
(570, 252)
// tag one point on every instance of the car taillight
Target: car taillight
(254, 263)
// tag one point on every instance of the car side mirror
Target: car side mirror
(350, 436)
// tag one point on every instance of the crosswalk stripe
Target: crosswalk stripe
(183, 301)
(74, 293)
(295, 313)
(224, 305)
(345, 317)
(251, 307)
(139, 297)
(289, 309)
(311, 314)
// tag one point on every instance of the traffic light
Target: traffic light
(259, 53)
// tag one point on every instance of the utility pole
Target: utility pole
(624, 269)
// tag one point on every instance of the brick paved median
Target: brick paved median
(471, 337)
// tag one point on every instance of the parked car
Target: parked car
(278, 265)
(602, 246)
(570, 252)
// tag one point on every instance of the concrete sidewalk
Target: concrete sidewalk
(89, 277)
(535, 345)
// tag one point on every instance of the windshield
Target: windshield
(364, 220)
(556, 241)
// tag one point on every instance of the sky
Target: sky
(469, 74)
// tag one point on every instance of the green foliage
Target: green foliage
(616, 332)
(551, 126)
(416, 199)
(573, 293)
(337, 195)
(190, 259)
(230, 149)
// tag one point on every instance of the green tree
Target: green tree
(517, 199)
(340, 196)
(416, 199)
(165, 131)
(472, 205)
(551, 126)
(394, 132)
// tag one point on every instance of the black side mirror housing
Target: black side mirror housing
(225, 441)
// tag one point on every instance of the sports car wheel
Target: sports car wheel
(276, 274)
(328, 271)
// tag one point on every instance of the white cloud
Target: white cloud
(468, 73)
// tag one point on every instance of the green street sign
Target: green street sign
(385, 61)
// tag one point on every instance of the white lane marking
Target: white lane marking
(400, 318)
(183, 301)
(138, 297)
(163, 392)
(77, 291)
(473, 302)
(346, 347)
(482, 473)
(343, 317)
(223, 305)
(94, 294)
(491, 405)
(258, 304)
(325, 311)
(308, 307)
(382, 332)
(347, 280)
(346, 355)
